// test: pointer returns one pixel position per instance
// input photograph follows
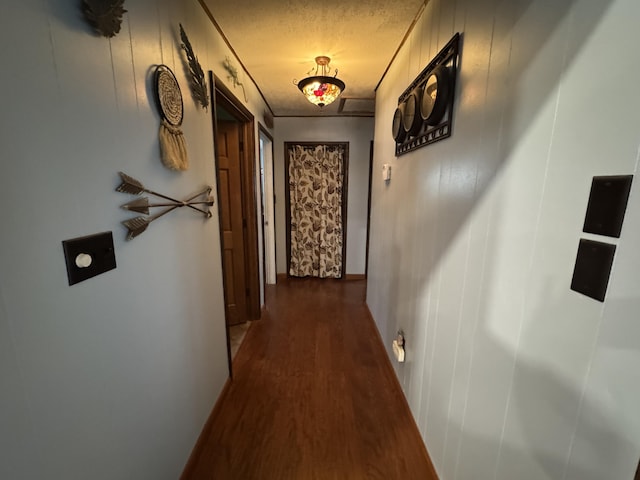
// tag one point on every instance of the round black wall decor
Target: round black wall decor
(397, 129)
(411, 119)
(435, 96)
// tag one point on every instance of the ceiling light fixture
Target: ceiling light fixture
(321, 89)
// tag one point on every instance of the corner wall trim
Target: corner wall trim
(355, 276)
(204, 434)
(392, 374)
(282, 277)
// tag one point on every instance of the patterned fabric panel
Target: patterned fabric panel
(315, 183)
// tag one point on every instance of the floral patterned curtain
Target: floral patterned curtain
(316, 176)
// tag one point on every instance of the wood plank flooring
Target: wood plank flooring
(313, 397)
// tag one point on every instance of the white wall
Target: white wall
(113, 377)
(509, 373)
(358, 131)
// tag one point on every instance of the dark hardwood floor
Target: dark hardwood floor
(313, 397)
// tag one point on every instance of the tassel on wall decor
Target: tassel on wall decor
(173, 147)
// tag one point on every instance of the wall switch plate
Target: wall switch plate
(607, 205)
(592, 268)
(89, 256)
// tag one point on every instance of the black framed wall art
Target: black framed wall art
(425, 109)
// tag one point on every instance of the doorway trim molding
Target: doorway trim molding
(262, 130)
(222, 96)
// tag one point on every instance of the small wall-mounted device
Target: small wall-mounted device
(398, 347)
(593, 268)
(386, 172)
(607, 204)
(89, 256)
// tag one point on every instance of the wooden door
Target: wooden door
(231, 221)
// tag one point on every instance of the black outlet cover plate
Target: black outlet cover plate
(99, 246)
(592, 269)
(607, 205)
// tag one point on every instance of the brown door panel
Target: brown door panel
(230, 179)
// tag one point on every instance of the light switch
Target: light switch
(89, 256)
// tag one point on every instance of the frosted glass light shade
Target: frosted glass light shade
(321, 90)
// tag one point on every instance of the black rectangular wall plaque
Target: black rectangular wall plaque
(607, 205)
(592, 269)
(425, 109)
(89, 256)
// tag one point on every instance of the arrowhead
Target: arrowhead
(139, 205)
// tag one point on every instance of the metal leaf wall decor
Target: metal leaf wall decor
(197, 81)
(105, 16)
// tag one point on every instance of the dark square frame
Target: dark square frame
(607, 205)
(593, 268)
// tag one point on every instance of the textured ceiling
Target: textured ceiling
(277, 41)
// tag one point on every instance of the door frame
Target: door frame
(268, 205)
(223, 97)
(369, 188)
(345, 198)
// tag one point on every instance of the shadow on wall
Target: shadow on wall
(503, 118)
(542, 404)
(515, 102)
(543, 411)
(532, 461)
(535, 392)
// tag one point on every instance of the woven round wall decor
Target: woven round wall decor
(168, 95)
(173, 148)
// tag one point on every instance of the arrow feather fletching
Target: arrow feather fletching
(135, 226)
(130, 185)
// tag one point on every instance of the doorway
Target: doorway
(236, 181)
(316, 179)
(268, 206)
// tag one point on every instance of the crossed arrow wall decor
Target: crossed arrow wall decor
(137, 225)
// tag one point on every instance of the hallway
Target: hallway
(313, 396)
